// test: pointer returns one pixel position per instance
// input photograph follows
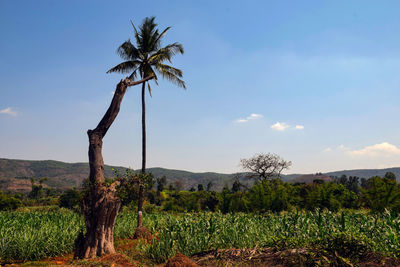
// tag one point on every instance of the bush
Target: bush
(69, 199)
(8, 202)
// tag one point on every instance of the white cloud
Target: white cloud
(280, 126)
(377, 150)
(328, 149)
(299, 127)
(8, 111)
(253, 116)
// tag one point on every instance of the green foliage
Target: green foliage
(147, 57)
(70, 199)
(9, 202)
(38, 234)
(128, 190)
(381, 193)
(267, 195)
(390, 175)
(193, 233)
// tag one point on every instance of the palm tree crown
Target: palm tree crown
(148, 55)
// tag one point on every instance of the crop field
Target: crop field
(39, 234)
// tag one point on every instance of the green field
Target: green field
(39, 234)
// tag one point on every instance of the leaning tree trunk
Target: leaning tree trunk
(100, 205)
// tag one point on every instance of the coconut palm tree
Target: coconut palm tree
(147, 58)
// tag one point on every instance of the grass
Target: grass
(39, 234)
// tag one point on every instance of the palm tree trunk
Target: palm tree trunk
(143, 128)
(141, 193)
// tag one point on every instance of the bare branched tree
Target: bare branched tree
(265, 166)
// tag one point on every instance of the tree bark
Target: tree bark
(100, 205)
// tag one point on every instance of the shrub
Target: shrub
(8, 202)
(69, 199)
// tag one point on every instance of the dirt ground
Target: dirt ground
(128, 255)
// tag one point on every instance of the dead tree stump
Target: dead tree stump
(100, 205)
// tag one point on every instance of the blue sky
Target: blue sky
(254, 71)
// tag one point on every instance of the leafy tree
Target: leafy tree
(239, 202)
(381, 194)
(331, 196)
(236, 186)
(146, 58)
(200, 187)
(390, 175)
(178, 185)
(353, 184)
(171, 187)
(343, 179)
(69, 199)
(364, 183)
(161, 183)
(8, 202)
(212, 201)
(37, 190)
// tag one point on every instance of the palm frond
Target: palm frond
(172, 74)
(128, 51)
(160, 36)
(125, 67)
(148, 33)
(166, 53)
(146, 54)
(147, 70)
(137, 36)
(148, 86)
(171, 69)
(133, 75)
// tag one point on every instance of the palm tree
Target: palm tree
(147, 58)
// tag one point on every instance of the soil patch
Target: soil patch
(290, 257)
(180, 260)
(143, 233)
(117, 260)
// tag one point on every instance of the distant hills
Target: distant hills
(362, 173)
(15, 174)
(309, 178)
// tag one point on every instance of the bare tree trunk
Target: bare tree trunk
(143, 128)
(100, 205)
(141, 189)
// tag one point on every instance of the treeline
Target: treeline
(376, 193)
(40, 195)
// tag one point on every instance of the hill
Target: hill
(310, 178)
(15, 175)
(366, 173)
(362, 173)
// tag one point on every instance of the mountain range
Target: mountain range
(15, 175)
